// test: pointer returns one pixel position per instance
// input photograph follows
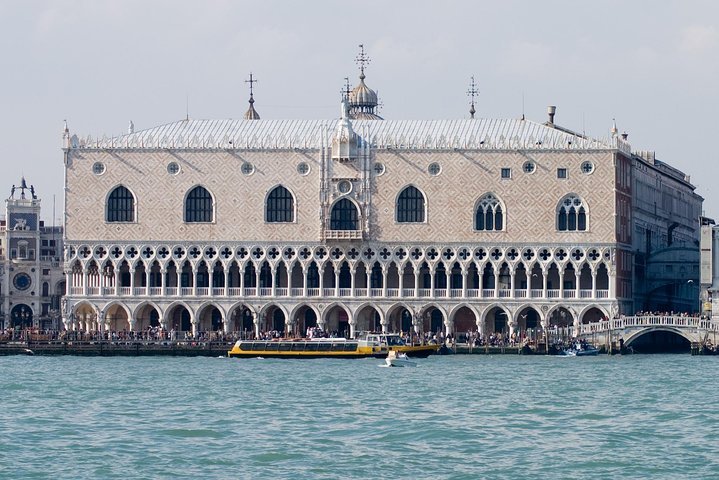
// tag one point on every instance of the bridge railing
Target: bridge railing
(641, 321)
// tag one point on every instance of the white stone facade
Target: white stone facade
(531, 265)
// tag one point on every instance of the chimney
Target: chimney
(551, 110)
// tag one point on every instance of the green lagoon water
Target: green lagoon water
(641, 416)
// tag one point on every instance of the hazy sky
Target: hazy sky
(654, 66)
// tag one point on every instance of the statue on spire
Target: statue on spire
(472, 92)
(251, 113)
(362, 60)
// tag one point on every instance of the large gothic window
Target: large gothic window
(344, 216)
(489, 214)
(120, 206)
(571, 214)
(280, 206)
(410, 206)
(199, 206)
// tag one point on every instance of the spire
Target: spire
(65, 136)
(362, 60)
(362, 99)
(472, 92)
(251, 113)
(131, 127)
(614, 129)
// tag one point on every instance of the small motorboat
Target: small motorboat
(399, 359)
(580, 350)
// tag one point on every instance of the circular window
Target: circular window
(22, 281)
(344, 186)
(587, 167)
(173, 168)
(303, 168)
(98, 168)
(434, 169)
(529, 167)
(247, 168)
(378, 168)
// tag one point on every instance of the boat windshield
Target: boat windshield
(389, 340)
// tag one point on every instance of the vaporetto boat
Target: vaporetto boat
(373, 345)
(312, 348)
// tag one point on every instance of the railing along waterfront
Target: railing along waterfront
(644, 321)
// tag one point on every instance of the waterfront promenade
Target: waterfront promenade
(610, 336)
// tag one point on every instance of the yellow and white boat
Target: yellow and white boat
(393, 341)
(309, 348)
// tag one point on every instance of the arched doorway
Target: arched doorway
(117, 318)
(241, 320)
(210, 319)
(21, 316)
(146, 316)
(179, 319)
(367, 319)
(496, 324)
(465, 323)
(337, 321)
(305, 318)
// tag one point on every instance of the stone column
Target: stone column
(400, 273)
(561, 283)
(273, 280)
(384, 281)
(496, 270)
(258, 271)
(84, 281)
(226, 273)
(416, 282)
(132, 281)
(337, 283)
(163, 282)
(226, 323)
(304, 284)
(241, 271)
(512, 285)
(431, 281)
(544, 283)
(594, 284)
(353, 271)
(465, 275)
(256, 323)
(577, 276)
(195, 322)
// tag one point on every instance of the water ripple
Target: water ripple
(452, 417)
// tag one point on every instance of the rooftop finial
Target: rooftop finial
(66, 130)
(251, 113)
(362, 60)
(472, 92)
(614, 129)
(131, 127)
(346, 89)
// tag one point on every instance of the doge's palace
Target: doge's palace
(355, 223)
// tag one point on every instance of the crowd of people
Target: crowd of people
(160, 334)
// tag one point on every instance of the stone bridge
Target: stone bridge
(645, 329)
